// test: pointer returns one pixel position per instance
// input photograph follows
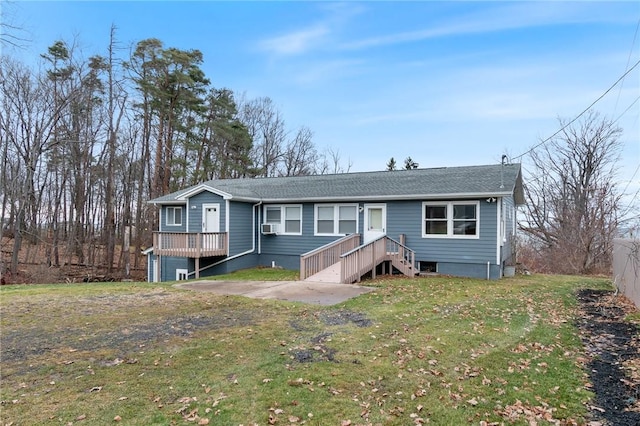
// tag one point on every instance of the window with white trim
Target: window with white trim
(286, 218)
(174, 216)
(453, 219)
(336, 219)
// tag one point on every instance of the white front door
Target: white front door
(375, 221)
(154, 271)
(211, 218)
(210, 223)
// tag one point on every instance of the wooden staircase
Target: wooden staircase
(366, 258)
(357, 261)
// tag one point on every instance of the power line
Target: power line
(581, 114)
(633, 43)
(625, 111)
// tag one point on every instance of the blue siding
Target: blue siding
(472, 270)
(168, 266)
(195, 215)
(405, 217)
(241, 227)
(295, 244)
(287, 262)
(150, 258)
(242, 262)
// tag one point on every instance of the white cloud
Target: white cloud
(313, 36)
(296, 42)
(501, 18)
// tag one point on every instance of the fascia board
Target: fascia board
(167, 202)
(392, 197)
(198, 189)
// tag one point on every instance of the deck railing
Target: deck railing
(362, 259)
(316, 260)
(402, 257)
(190, 244)
(365, 258)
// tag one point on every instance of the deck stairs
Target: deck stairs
(345, 262)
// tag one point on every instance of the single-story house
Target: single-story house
(451, 220)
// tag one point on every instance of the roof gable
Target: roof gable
(194, 190)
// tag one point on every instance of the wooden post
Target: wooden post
(373, 260)
(197, 267)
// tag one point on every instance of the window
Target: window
(286, 218)
(336, 219)
(182, 274)
(451, 219)
(293, 220)
(174, 216)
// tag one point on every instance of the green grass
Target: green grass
(259, 274)
(445, 350)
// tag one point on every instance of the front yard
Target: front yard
(441, 350)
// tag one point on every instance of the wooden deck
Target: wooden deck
(190, 244)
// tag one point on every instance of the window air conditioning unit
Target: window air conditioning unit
(269, 228)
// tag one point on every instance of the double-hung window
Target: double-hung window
(336, 219)
(286, 218)
(453, 219)
(174, 216)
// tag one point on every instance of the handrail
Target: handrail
(324, 256)
(330, 244)
(399, 243)
(362, 259)
(363, 245)
(366, 257)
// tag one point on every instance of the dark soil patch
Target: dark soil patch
(20, 344)
(342, 317)
(317, 354)
(321, 323)
(613, 349)
(345, 317)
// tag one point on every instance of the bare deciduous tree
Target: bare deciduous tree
(300, 155)
(330, 162)
(572, 197)
(11, 33)
(266, 127)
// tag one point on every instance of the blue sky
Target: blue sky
(447, 83)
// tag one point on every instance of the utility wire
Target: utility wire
(581, 114)
(633, 43)
(625, 111)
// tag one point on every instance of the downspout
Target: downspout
(253, 242)
(488, 270)
(259, 233)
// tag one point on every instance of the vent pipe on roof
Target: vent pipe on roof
(504, 158)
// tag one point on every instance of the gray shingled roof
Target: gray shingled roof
(462, 182)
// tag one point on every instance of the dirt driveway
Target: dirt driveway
(295, 291)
